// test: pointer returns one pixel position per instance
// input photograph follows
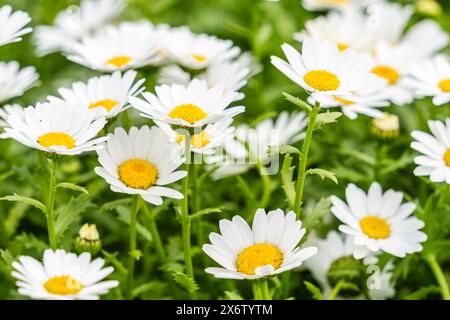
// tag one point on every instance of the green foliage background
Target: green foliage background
(346, 148)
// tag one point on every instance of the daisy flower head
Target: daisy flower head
(268, 248)
(257, 145)
(198, 51)
(335, 254)
(202, 142)
(347, 29)
(13, 25)
(321, 69)
(106, 96)
(129, 45)
(15, 81)
(141, 162)
(435, 149)
(56, 128)
(378, 221)
(62, 276)
(194, 105)
(386, 127)
(75, 22)
(432, 79)
(318, 5)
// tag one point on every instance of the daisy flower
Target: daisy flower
(378, 222)
(347, 29)
(194, 105)
(62, 276)
(316, 5)
(5, 112)
(106, 95)
(129, 45)
(56, 128)
(322, 69)
(141, 162)
(335, 253)
(268, 248)
(205, 141)
(15, 81)
(73, 23)
(198, 51)
(435, 149)
(432, 79)
(261, 141)
(13, 25)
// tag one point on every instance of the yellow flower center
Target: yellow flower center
(56, 139)
(198, 140)
(374, 227)
(106, 103)
(138, 174)
(344, 102)
(258, 255)
(322, 80)
(447, 157)
(336, 2)
(119, 61)
(63, 285)
(188, 112)
(342, 46)
(444, 85)
(199, 58)
(388, 73)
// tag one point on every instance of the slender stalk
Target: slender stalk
(303, 159)
(266, 187)
(50, 216)
(257, 293)
(196, 204)
(154, 232)
(133, 246)
(334, 293)
(265, 290)
(186, 226)
(439, 275)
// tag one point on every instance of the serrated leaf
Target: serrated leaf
(72, 186)
(70, 212)
(327, 118)
(323, 174)
(286, 149)
(137, 254)
(298, 102)
(286, 178)
(27, 200)
(317, 294)
(186, 282)
(29, 241)
(204, 212)
(7, 257)
(314, 215)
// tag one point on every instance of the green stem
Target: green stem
(334, 293)
(50, 216)
(265, 290)
(196, 204)
(439, 275)
(133, 241)
(154, 232)
(186, 226)
(303, 159)
(257, 293)
(266, 187)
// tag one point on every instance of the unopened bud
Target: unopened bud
(386, 127)
(88, 239)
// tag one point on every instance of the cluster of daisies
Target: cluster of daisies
(358, 58)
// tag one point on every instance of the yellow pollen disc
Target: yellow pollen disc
(444, 85)
(447, 157)
(322, 80)
(388, 73)
(188, 112)
(374, 227)
(106, 103)
(344, 102)
(342, 46)
(118, 61)
(56, 139)
(258, 255)
(138, 174)
(63, 285)
(199, 57)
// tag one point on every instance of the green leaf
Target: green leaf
(186, 282)
(423, 292)
(149, 286)
(326, 118)
(298, 102)
(204, 212)
(7, 257)
(71, 186)
(323, 174)
(233, 295)
(317, 294)
(137, 254)
(70, 212)
(286, 149)
(27, 200)
(29, 241)
(314, 215)
(286, 178)
(110, 258)
(113, 205)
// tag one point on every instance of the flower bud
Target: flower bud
(88, 239)
(387, 127)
